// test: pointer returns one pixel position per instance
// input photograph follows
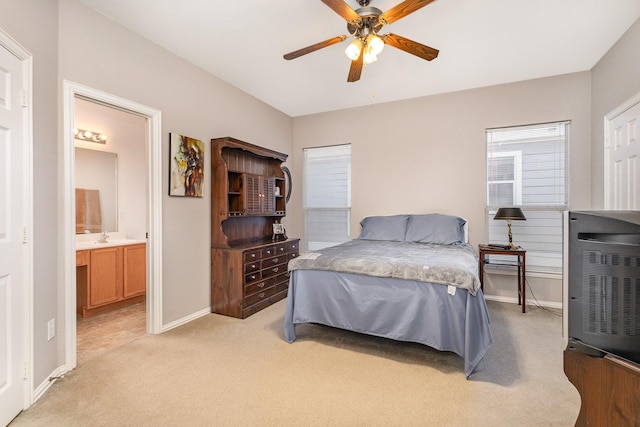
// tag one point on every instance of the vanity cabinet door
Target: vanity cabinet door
(106, 276)
(135, 270)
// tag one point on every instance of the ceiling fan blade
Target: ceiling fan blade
(401, 10)
(356, 68)
(342, 9)
(409, 46)
(314, 47)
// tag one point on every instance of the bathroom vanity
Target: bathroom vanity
(109, 274)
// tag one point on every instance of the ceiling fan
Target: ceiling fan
(364, 24)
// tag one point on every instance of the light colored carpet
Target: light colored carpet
(220, 371)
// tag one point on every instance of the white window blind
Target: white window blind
(327, 196)
(527, 167)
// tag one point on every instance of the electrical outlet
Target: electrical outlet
(51, 329)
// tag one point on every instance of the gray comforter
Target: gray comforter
(453, 265)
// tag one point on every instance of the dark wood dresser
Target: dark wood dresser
(250, 278)
(248, 261)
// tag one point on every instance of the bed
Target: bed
(406, 277)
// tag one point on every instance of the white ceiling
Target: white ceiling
(481, 43)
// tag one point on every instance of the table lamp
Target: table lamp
(510, 214)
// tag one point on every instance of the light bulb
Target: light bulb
(102, 137)
(369, 57)
(87, 134)
(375, 43)
(353, 50)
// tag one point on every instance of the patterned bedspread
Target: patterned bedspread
(454, 265)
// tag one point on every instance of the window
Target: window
(327, 196)
(527, 167)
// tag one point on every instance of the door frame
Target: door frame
(72, 90)
(8, 43)
(629, 103)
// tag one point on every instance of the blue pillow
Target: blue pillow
(435, 228)
(390, 228)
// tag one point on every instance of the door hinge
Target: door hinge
(25, 98)
(25, 235)
(26, 371)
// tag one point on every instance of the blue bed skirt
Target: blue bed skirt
(439, 316)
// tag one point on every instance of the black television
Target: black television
(604, 283)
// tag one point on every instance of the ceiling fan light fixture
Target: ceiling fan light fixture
(353, 50)
(369, 57)
(375, 44)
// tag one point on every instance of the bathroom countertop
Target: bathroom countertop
(91, 241)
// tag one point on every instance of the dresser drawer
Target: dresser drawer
(252, 255)
(270, 262)
(274, 270)
(250, 267)
(269, 251)
(252, 277)
(292, 246)
(259, 296)
(258, 286)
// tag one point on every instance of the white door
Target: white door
(622, 157)
(13, 252)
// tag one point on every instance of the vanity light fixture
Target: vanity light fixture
(89, 135)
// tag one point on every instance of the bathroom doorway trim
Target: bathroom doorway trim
(72, 90)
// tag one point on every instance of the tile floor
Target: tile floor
(101, 332)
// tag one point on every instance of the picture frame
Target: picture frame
(186, 166)
(278, 231)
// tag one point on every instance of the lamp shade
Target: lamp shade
(514, 214)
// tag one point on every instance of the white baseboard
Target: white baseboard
(513, 300)
(44, 386)
(186, 319)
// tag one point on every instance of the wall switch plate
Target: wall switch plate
(51, 329)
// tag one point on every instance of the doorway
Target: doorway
(621, 154)
(110, 166)
(152, 215)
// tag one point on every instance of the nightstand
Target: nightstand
(518, 252)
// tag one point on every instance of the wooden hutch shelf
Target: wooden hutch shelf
(248, 267)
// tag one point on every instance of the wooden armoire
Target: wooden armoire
(248, 261)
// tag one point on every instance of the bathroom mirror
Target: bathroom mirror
(97, 170)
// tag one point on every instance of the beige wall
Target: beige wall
(614, 80)
(428, 154)
(33, 24)
(100, 54)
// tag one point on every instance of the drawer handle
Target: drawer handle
(253, 255)
(269, 252)
(261, 285)
(253, 266)
(261, 295)
(281, 249)
(275, 260)
(294, 255)
(275, 270)
(253, 277)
